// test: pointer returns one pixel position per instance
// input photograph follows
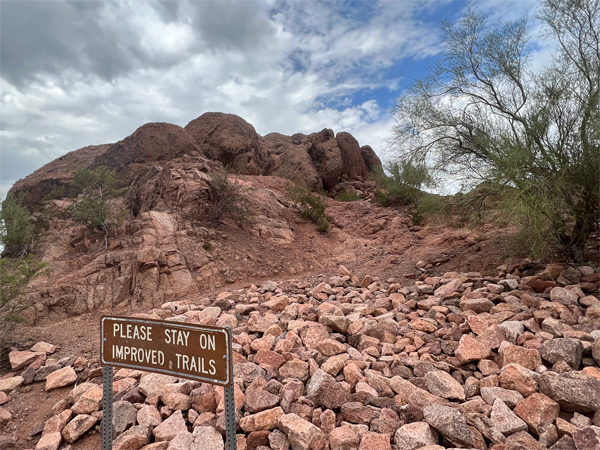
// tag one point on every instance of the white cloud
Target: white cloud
(283, 66)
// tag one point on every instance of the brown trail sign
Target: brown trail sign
(197, 352)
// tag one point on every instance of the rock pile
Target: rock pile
(454, 361)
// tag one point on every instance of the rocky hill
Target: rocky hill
(318, 161)
(380, 334)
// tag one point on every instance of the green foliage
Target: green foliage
(16, 226)
(227, 200)
(311, 205)
(93, 210)
(15, 275)
(404, 182)
(101, 179)
(347, 196)
(92, 192)
(429, 206)
(57, 191)
(482, 114)
(382, 198)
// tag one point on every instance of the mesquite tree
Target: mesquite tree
(483, 113)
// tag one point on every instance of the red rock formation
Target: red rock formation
(326, 157)
(289, 158)
(149, 143)
(316, 161)
(57, 172)
(353, 164)
(231, 140)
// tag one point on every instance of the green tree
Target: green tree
(483, 114)
(404, 180)
(15, 275)
(92, 192)
(16, 226)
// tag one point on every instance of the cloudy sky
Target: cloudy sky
(75, 73)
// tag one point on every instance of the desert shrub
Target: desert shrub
(15, 275)
(101, 179)
(57, 191)
(92, 192)
(227, 200)
(347, 196)
(382, 198)
(310, 205)
(16, 226)
(403, 181)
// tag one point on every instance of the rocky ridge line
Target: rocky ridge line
(317, 161)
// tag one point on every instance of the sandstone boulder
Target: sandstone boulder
(229, 139)
(78, 427)
(563, 349)
(291, 160)
(61, 378)
(450, 423)
(414, 436)
(326, 157)
(353, 164)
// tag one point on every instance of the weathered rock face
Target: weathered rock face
(150, 143)
(57, 173)
(231, 140)
(316, 161)
(353, 164)
(289, 158)
(326, 156)
(370, 158)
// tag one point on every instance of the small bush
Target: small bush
(57, 191)
(102, 180)
(311, 206)
(347, 196)
(16, 226)
(382, 198)
(227, 200)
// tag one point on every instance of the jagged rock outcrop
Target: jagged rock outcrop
(326, 156)
(289, 158)
(317, 161)
(353, 163)
(370, 157)
(161, 245)
(56, 173)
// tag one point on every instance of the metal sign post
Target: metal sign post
(107, 404)
(229, 394)
(197, 352)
